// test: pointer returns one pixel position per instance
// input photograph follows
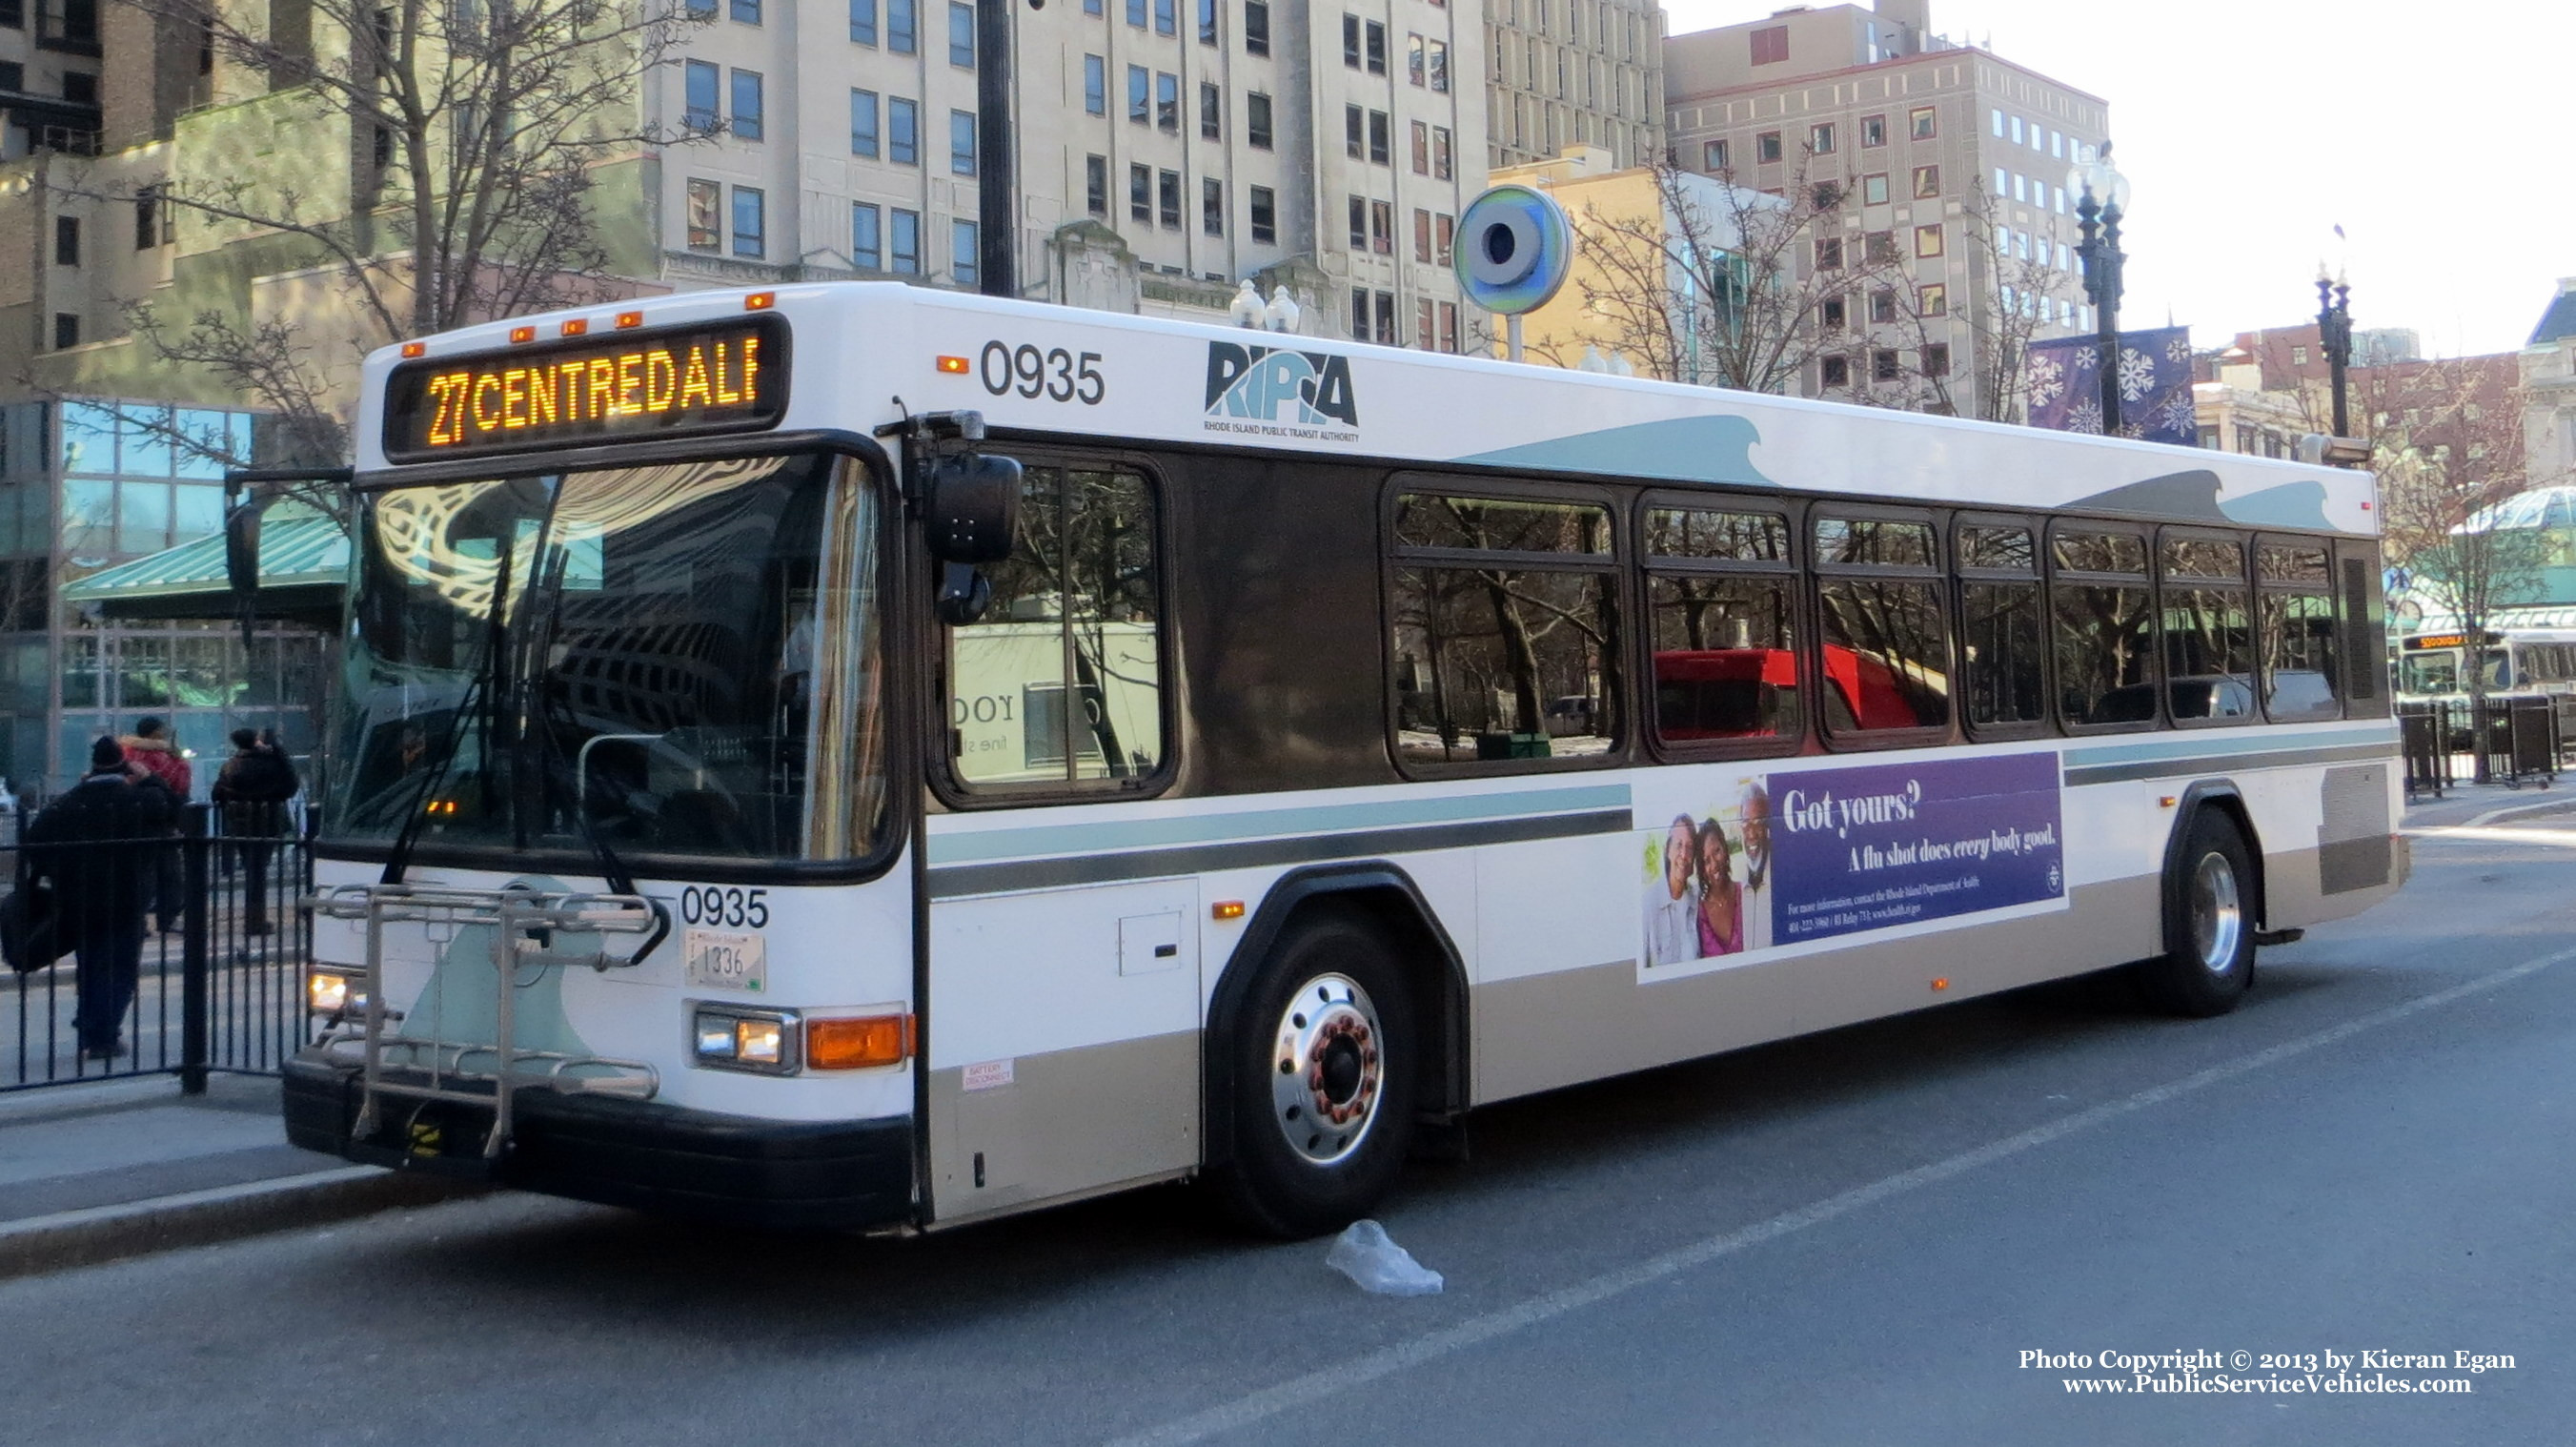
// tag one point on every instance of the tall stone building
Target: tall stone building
(1931, 146)
(1572, 73)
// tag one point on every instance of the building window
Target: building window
(1883, 366)
(1444, 234)
(1256, 27)
(1449, 326)
(66, 241)
(1166, 20)
(1375, 32)
(1766, 147)
(1422, 148)
(1354, 127)
(1829, 253)
(1998, 117)
(1834, 372)
(1927, 241)
(1212, 206)
(1924, 122)
(700, 80)
(1873, 190)
(867, 245)
(1382, 227)
(1095, 85)
(746, 104)
(1167, 102)
(2298, 356)
(1879, 248)
(1379, 132)
(705, 203)
(1771, 45)
(961, 35)
(1832, 314)
(749, 221)
(1820, 139)
(1351, 41)
(1422, 237)
(1936, 359)
(1207, 22)
(1422, 324)
(1361, 327)
(963, 257)
(1712, 156)
(863, 123)
(1882, 307)
(1934, 300)
(1873, 132)
(1095, 185)
(747, 11)
(147, 218)
(1359, 223)
(906, 250)
(1264, 205)
(903, 131)
(66, 330)
(1256, 120)
(863, 22)
(1136, 13)
(1140, 95)
(1440, 66)
(1440, 153)
(961, 143)
(1167, 193)
(901, 31)
(1140, 194)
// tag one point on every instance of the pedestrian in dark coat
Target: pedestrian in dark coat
(252, 792)
(97, 845)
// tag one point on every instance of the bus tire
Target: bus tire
(1324, 1080)
(2208, 962)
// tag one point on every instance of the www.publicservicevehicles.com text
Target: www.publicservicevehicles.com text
(2368, 1370)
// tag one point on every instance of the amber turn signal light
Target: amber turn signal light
(759, 301)
(953, 366)
(523, 334)
(1227, 909)
(857, 1043)
(414, 349)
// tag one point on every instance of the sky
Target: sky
(2440, 137)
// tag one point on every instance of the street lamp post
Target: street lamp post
(2103, 196)
(2334, 335)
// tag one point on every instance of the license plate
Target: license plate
(726, 961)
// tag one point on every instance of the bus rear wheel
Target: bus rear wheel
(1322, 1095)
(2208, 961)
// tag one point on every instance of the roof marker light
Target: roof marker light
(414, 349)
(760, 301)
(576, 327)
(523, 334)
(629, 319)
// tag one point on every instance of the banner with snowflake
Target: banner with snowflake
(2063, 387)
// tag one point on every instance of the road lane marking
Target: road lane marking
(1339, 1378)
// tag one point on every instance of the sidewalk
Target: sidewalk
(2464, 802)
(92, 1173)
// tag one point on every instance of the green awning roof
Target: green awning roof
(303, 571)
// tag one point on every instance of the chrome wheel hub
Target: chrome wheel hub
(1325, 1070)
(2217, 914)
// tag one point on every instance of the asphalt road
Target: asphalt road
(1847, 1239)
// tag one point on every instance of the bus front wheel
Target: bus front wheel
(2209, 923)
(1322, 1094)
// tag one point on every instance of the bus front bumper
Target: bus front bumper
(788, 1175)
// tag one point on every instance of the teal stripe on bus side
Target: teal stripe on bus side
(2233, 741)
(1108, 835)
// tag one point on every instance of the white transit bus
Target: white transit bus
(862, 756)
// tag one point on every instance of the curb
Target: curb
(98, 1234)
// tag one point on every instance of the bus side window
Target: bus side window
(2104, 623)
(2298, 635)
(1060, 682)
(1721, 615)
(1885, 625)
(2003, 634)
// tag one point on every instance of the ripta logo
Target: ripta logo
(1260, 382)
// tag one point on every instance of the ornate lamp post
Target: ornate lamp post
(2103, 198)
(2334, 335)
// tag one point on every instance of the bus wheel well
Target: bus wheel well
(1384, 897)
(2220, 795)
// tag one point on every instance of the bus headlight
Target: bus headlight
(335, 992)
(763, 1041)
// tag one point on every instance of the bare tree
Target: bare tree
(474, 127)
(1727, 286)
(2000, 324)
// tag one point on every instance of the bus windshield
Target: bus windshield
(678, 659)
(2435, 670)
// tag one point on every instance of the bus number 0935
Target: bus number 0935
(716, 904)
(1056, 373)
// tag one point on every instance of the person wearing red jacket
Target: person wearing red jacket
(151, 748)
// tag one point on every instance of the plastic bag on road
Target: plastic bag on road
(1365, 1255)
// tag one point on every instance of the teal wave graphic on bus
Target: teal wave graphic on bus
(1684, 449)
(1260, 383)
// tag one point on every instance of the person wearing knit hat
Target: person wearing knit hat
(97, 844)
(151, 748)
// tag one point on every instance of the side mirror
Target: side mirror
(972, 508)
(241, 547)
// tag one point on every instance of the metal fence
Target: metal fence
(2509, 741)
(219, 984)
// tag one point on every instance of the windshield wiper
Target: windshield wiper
(479, 691)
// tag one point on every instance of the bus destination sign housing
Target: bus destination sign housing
(729, 376)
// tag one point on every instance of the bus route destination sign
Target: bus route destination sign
(679, 381)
